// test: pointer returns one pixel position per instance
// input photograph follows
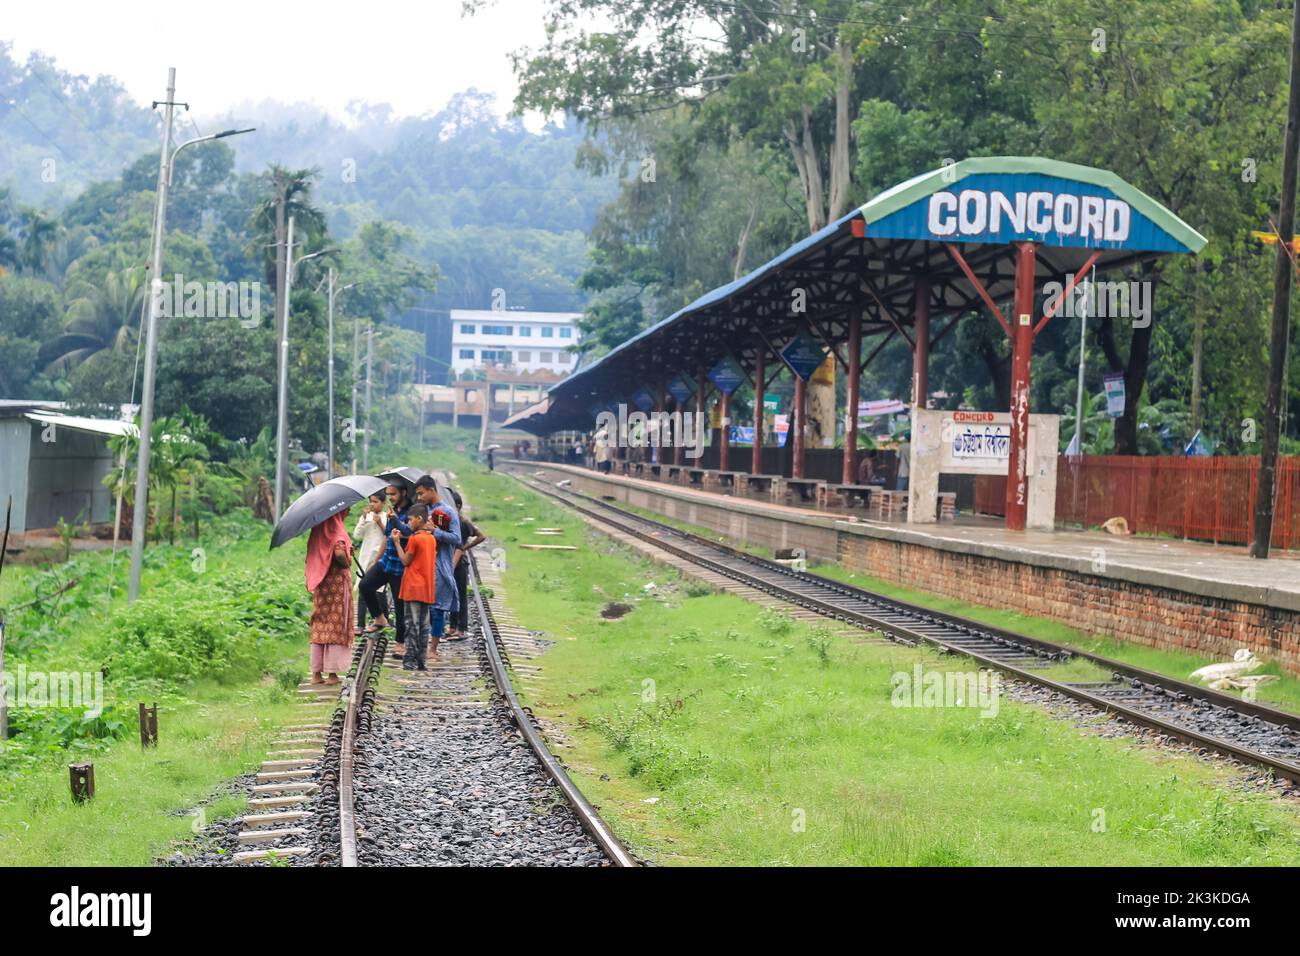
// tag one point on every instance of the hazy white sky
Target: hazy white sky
(408, 53)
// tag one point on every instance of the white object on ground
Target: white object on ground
(1243, 662)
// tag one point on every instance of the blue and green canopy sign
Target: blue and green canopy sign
(643, 399)
(804, 354)
(680, 389)
(727, 375)
(1001, 199)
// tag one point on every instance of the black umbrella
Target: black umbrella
(327, 498)
(407, 476)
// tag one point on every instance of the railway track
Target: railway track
(1249, 732)
(451, 768)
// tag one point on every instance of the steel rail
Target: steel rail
(587, 815)
(347, 803)
(912, 635)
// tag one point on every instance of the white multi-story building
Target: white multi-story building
(527, 341)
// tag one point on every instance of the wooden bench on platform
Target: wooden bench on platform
(889, 505)
(695, 477)
(797, 490)
(845, 496)
(759, 486)
(713, 480)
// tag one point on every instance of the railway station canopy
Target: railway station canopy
(941, 244)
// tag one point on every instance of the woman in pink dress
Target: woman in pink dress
(329, 579)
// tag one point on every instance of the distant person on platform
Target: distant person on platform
(603, 463)
(867, 468)
(904, 461)
(492, 462)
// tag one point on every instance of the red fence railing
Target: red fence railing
(1203, 499)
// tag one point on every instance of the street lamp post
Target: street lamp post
(166, 160)
(329, 467)
(282, 401)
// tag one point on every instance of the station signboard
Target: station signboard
(680, 390)
(642, 399)
(727, 375)
(804, 355)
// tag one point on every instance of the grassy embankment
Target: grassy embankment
(712, 732)
(217, 640)
(1283, 694)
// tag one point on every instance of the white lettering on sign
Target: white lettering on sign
(975, 212)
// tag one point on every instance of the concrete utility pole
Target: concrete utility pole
(329, 469)
(1279, 338)
(370, 367)
(282, 389)
(166, 160)
(140, 516)
(329, 464)
(356, 386)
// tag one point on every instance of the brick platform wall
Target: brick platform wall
(1155, 617)
(1162, 618)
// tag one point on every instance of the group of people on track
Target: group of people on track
(414, 574)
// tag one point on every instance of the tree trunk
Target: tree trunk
(840, 175)
(803, 147)
(1135, 378)
(738, 267)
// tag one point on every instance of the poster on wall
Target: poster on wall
(1114, 394)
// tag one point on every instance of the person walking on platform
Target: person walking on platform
(904, 462)
(387, 571)
(470, 538)
(370, 532)
(329, 579)
(492, 462)
(419, 557)
(446, 529)
(602, 451)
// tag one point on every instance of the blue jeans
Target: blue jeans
(901, 484)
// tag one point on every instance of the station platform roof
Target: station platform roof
(877, 259)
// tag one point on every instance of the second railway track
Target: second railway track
(1249, 732)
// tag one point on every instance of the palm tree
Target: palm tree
(103, 315)
(288, 194)
(39, 235)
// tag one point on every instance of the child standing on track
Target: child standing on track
(447, 533)
(420, 557)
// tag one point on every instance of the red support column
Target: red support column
(724, 434)
(797, 427)
(699, 411)
(655, 454)
(849, 475)
(921, 351)
(1022, 329)
(756, 460)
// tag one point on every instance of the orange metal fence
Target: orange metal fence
(1203, 499)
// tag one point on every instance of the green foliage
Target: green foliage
(37, 731)
(222, 626)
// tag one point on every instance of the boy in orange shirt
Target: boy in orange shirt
(418, 587)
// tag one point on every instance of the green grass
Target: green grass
(710, 732)
(1283, 693)
(214, 639)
